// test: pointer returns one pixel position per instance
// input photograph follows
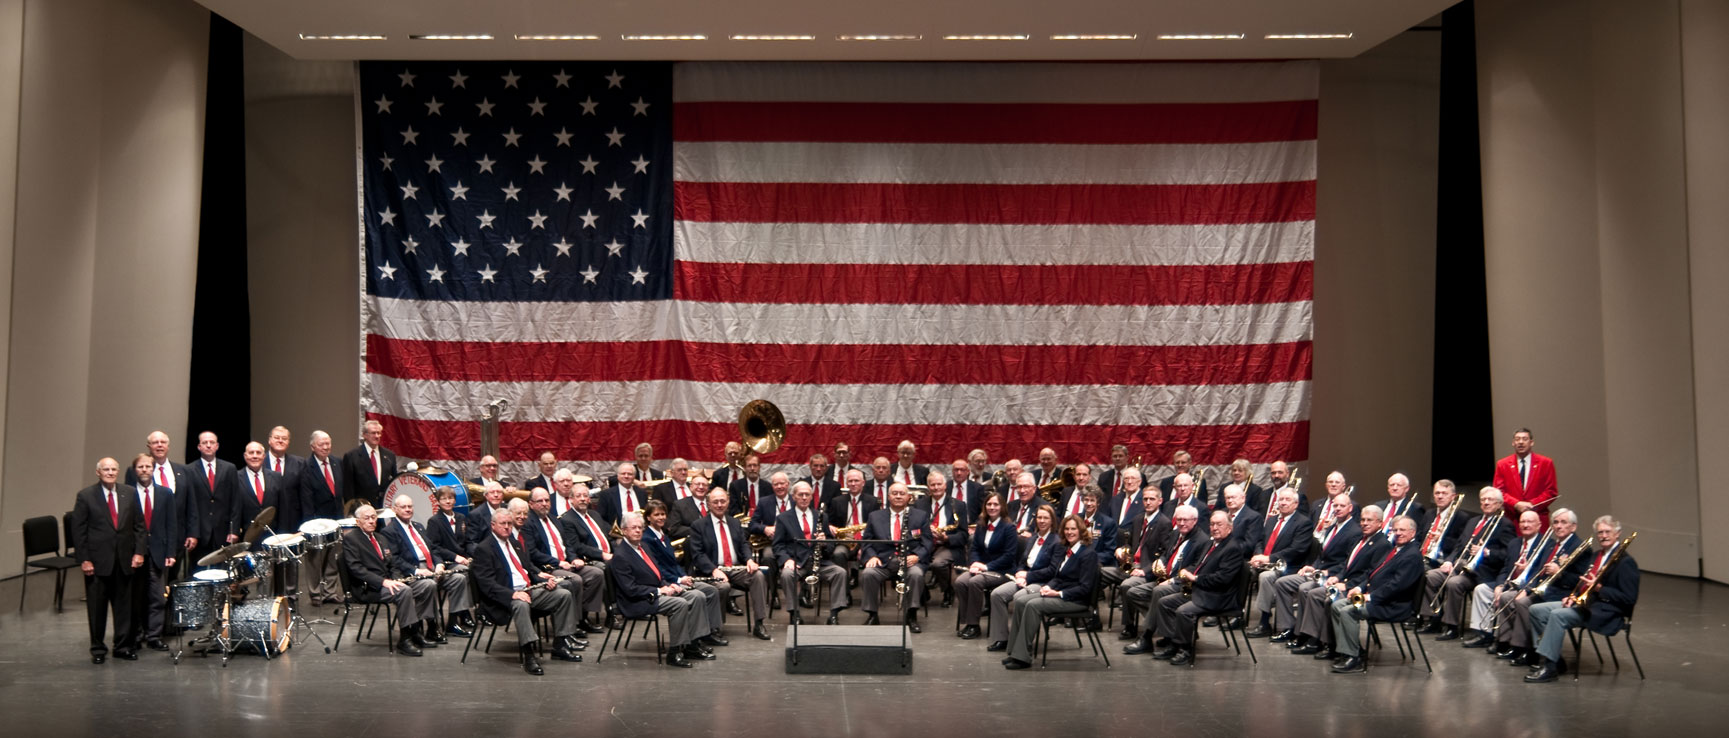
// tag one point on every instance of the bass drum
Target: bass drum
(419, 486)
(264, 623)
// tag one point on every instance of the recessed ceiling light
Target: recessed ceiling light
(450, 36)
(343, 37)
(656, 37)
(1097, 37)
(878, 37)
(989, 37)
(1200, 36)
(758, 37)
(541, 37)
(1308, 35)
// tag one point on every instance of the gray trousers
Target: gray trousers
(556, 602)
(318, 573)
(1145, 598)
(415, 601)
(1176, 617)
(1002, 602)
(1346, 631)
(970, 592)
(589, 596)
(1432, 581)
(1264, 590)
(684, 616)
(713, 603)
(942, 567)
(870, 583)
(1030, 614)
(1312, 620)
(1549, 624)
(1285, 600)
(754, 584)
(1515, 625)
(829, 574)
(1458, 587)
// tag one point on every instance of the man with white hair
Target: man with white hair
(643, 588)
(1399, 502)
(510, 593)
(410, 540)
(1483, 548)
(379, 573)
(321, 497)
(370, 465)
(905, 471)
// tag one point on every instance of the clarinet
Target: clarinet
(901, 553)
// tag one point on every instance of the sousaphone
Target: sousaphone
(761, 426)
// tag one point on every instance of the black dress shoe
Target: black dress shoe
(457, 629)
(970, 632)
(1165, 653)
(948, 599)
(1524, 657)
(1127, 634)
(998, 646)
(713, 639)
(1017, 665)
(913, 622)
(98, 658)
(562, 653)
(1183, 657)
(698, 653)
(1449, 633)
(1282, 636)
(1209, 621)
(1135, 649)
(126, 655)
(1325, 654)
(407, 648)
(1504, 651)
(414, 638)
(759, 632)
(675, 657)
(590, 628)
(572, 643)
(1482, 641)
(1430, 628)
(156, 644)
(1549, 672)
(1296, 643)
(871, 619)
(1234, 623)
(1259, 631)
(616, 622)
(1352, 665)
(531, 664)
(734, 610)
(1307, 649)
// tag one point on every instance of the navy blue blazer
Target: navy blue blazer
(957, 515)
(1220, 567)
(1613, 602)
(579, 541)
(634, 585)
(316, 500)
(540, 549)
(789, 544)
(1392, 584)
(1026, 547)
(704, 547)
(664, 557)
(917, 531)
(1001, 555)
(448, 538)
(1105, 543)
(405, 548)
(490, 572)
(165, 529)
(1334, 550)
(1072, 575)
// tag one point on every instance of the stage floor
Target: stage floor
(48, 687)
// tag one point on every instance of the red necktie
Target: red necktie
(725, 543)
(377, 472)
(516, 564)
(896, 528)
(1144, 529)
(553, 536)
(375, 547)
(1209, 552)
(593, 530)
(702, 507)
(162, 475)
(1075, 502)
(278, 469)
(1024, 517)
(1595, 565)
(258, 486)
(329, 480)
(151, 493)
(1384, 561)
(210, 475)
(1171, 566)
(1117, 484)
(804, 522)
(419, 545)
(629, 499)
(113, 509)
(1354, 552)
(855, 512)
(650, 561)
(1274, 538)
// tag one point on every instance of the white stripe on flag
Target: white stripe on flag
(995, 82)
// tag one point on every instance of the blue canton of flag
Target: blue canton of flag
(511, 181)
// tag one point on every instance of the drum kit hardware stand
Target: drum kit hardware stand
(217, 596)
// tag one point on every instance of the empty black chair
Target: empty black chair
(42, 536)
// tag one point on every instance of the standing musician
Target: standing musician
(1285, 536)
(259, 488)
(1388, 588)
(378, 575)
(990, 561)
(510, 594)
(1068, 579)
(644, 455)
(1149, 537)
(1213, 582)
(1314, 633)
(733, 452)
(1024, 503)
(1526, 478)
(1181, 463)
(792, 553)
(718, 546)
(370, 466)
(1613, 589)
(1484, 549)
(277, 459)
(643, 587)
(1336, 546)
(1400, 501)
(1185, 549)
(1111, 479)
(176, 478)
(1035, 553)
(967, 493)
(107, 536)
(658, 545)
(1521, 559)
(409, 540)
(321, 496)
(746, 490)
(1513, 628)
(585, 541)
(898, 522)
(216, 485)
(162, 535)
(948, 532)
(547, 463)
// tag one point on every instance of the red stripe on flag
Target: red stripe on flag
(1030, 123)
(418, 439)
(993, 284)
(805, 202)
(837, 364)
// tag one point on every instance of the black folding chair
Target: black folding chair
(1626, 632)
(628, 628)
(1406, 635)
(1078, 623)
(482, 622)
(42, 536)
(1245, 582)
(367, 609)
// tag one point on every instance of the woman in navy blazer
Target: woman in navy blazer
(990, 561)
(1068, 580)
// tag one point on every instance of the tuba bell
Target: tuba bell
(761, 426)
(1051, 490)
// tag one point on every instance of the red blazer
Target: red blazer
(1539, 493)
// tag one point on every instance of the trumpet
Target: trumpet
(1359, 599)
(678, 547)
(1049, 490)
(1122, 553)
(1272, 564)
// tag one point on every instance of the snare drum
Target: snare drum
(264, 623)
(194, 603)
(284, 547)
(320, 533)
(347, 524)
(217, 576)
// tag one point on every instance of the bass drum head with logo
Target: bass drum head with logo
(261, 622)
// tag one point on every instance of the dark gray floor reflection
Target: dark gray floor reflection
(49, 688)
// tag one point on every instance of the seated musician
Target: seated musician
(378, 572)
(1161, 581)
(1316, 588)
(1483, 549)
(967, 494)
(622, 496)
(1147, 536)
(718, 547)
(549, 545)
(1444, 528)
(1126, 503)
(509, 593)
(1213, 580)
(1610, 584)
(1245, 519)
(883, 561)
(1336, 543)
(480, 516)
(643, 588)
(1033, 554)
(850, 510)
(446, 531)
(792, 553)
(1388, 588)
(1064, 586)
(1284, 535)
(948, 532)
(659, 544)
(690, 511)
(1521, 555)
(585, 543)
(990, 561)
(411, 542)
(1558, 570)
(769, 508)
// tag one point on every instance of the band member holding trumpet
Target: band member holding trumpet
(1384, 594)
(1148, 536)
(990, 561)
(1522, 556)
(1483, 550)
(948, 532)
(904, 561)
(718, 547)
(1317, 590)
(1602, 601)
(1064, 586)
(410, 539)
(1210, 585)
(509, 593)
(1161, 580)
(792, 554)
(1556, 572)
(1336, 546)
(1284, 537)
(644, 587)
(378, 573)
(1035, 553)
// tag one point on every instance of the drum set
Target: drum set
(246, 597)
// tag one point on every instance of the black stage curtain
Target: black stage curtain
(1463, 445)
(221, 375)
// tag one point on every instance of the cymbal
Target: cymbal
(223, 554)
(653, 482)
(258, 525)
(582, 479)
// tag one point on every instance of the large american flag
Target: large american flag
(1002, 256)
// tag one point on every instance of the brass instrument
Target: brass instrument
(761, 426)
(1271, 565)
(678, 547)
(1468, 553)
(1439, 527)
(997, 478)
(1296, 483)
(653, 482)
(1521, 568)
(849, 532)
(617, 532)
(1359, 599)
(1188, 586)
(1122, 554)
(1049, 490)
(1582, 593)
(478, 492)
(1158, 573)
(1540, 587)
